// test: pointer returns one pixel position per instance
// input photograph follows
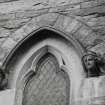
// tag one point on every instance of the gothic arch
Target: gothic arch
(21, 81)
(63, 30)
(72, 27)
(43, 41)
(75, 44)
(56, 44)
(60, 73)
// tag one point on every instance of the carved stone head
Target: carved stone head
(89, 59)
(92, 63)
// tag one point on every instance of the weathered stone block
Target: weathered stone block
(96, 21)
(101, 20)
(73, 9)
(91, 91)
(59, 23)
(58, 2)
(2, 54)
(8, 44)
(94, 10)
(98, 101)
(99, 40)
(88, 17)
(2, 40)
(89, 4)
(58, 9)
(92, 21)
(7, 16)
(101, 2)
(73, 26)
(75, 1)
(82, 102)
(82, 33)
(18, 35)
(101, 87)
(89, 88)
(47, 19)
(16, 23)
(99, 48)
(30, 13)
(65, 23)
(25, 30)
(89, 40)
(4, 32)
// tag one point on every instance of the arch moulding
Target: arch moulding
(65, 27)
(68, 26)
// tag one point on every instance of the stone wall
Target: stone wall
(14, 15)
(87, 16)
(92, 91)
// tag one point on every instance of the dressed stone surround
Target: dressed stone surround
(83, 19)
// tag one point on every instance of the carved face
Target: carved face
(89, 61)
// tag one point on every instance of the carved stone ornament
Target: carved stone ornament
(94, 64)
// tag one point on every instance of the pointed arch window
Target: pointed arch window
(49, 86)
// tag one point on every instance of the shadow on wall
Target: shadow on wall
(3, 80)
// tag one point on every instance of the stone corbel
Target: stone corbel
(94, 64)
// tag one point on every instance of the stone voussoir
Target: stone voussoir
(73, 26)
(82, 33)
(24, 31)
(35, 23)
(63, 22)
(3, 54)
(47, 19)
(9, 44)
(5, 48)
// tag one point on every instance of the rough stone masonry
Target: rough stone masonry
(86, 23)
